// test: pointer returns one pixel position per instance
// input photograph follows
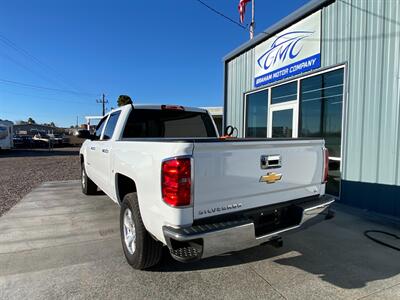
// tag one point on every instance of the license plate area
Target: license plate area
(274, 219)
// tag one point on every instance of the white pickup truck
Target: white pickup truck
(181, 185)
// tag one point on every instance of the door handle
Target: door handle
(104, 150)
(92, 148)
(270, 161)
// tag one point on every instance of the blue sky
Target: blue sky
(155, 51)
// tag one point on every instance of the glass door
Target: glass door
(283, 111)
(283, 121)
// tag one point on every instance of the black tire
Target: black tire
(88, 186)
(147, 251)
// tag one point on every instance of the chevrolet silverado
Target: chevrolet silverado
(180, 185)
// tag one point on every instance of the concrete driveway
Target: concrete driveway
(58, 243)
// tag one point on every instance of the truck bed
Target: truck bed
(227, 174)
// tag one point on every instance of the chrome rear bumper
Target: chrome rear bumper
(201, 241)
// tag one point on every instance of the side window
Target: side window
(112, 122)
(100, 127)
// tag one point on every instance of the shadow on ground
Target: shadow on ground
(337, 254)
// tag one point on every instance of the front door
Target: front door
(93, 155)
(283, 120)
(104, 153)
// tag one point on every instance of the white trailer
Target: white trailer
(6, 135)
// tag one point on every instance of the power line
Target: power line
(28, 85)
(6, 41)
(21, 65)
(39, 98)
(40, 115)
(222, 15)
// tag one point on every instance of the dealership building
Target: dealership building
(331, 69)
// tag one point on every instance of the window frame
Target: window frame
(105, 118)
(284, 106)
(298, 78)
(105, 126)
(345, 107)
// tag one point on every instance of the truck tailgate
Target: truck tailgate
(230, 176)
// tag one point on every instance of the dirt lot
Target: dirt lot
(21, 170)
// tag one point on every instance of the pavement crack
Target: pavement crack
(262, 278)
(266, 281)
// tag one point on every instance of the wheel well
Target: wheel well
(125, 185)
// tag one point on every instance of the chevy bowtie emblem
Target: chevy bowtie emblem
(271, 177)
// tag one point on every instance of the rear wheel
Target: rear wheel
(88, 186)
(140, 249)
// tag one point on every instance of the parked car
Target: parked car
(43, 139)
(180, 185)
(23, 141)
(57, 140)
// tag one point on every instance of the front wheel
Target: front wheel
(88, 186)
(140, 249)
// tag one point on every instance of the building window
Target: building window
(282, 121)
(284, 93)
(321, 100)
(256, 114)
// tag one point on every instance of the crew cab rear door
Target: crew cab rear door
(231, 176)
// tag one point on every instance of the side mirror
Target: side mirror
(229, 130)
(83, 134)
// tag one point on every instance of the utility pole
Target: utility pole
(77, 125)
(252, 24)
(103, 101)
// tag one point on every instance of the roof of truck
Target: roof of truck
(158, 107)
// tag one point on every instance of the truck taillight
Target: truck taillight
(326, 165)
(176, 181)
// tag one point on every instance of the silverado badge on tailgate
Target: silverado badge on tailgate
(271, 177)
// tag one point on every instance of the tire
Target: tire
(88, 186)
(144, 251)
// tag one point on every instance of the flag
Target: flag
(242, 9)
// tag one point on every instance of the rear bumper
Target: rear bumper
(205, 240)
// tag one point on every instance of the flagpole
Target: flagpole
(252, 24)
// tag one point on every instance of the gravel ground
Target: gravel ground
(21, 170)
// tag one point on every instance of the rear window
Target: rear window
(153, 123)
